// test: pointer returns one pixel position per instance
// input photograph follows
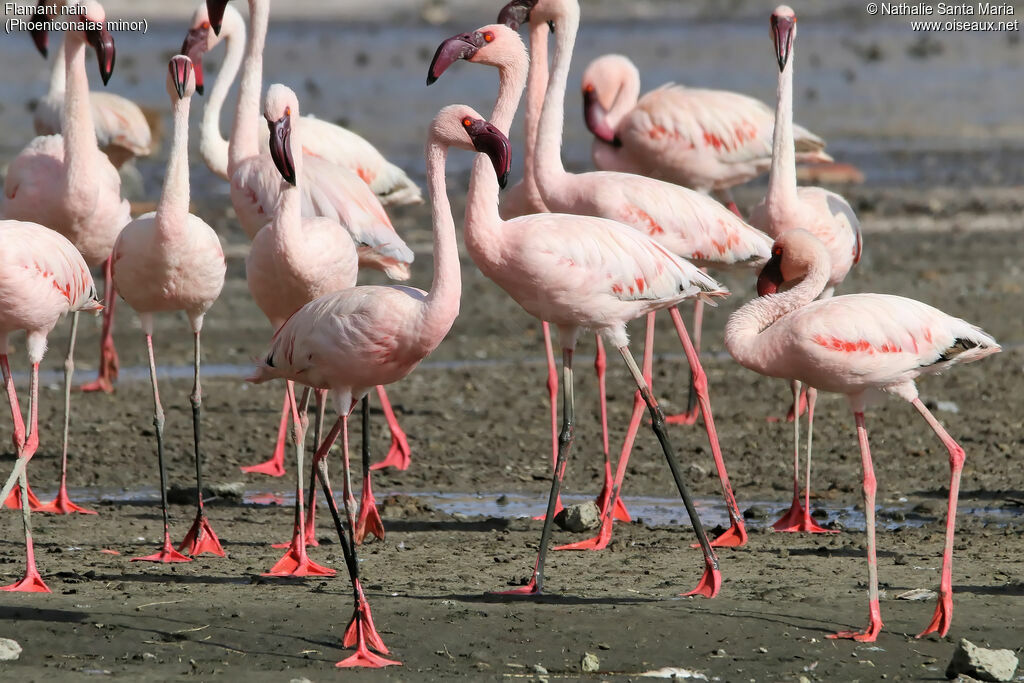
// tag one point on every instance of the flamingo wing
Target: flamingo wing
(119, 121)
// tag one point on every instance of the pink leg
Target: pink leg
(799, 406)
(109, 363)
(944, 609)
(869, 634)
(798, 518)
(552, 398)
(321, 406)
(600, 365)
(398, 454)
(275, 466)
(736, 535)
(690, 416)
(369, 519)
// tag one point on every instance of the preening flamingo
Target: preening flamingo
(171, 260)
(354, 339)
(322, 139)
(823, 212)
(863, 346)
(65, 183)
(42, 277)
(328, 190)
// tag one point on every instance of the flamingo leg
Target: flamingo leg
(944, 609)
(275, 466)
(552, 386)
(565, 439)
(869, 634)
(167, 553)
(399, 453)
(736, 535)
(201, 537)
(799, 406)
(18, 435)
(690, 416)
(109, 364)
(321, 405)
(791, 520)
(600, 366)
(369, 519)
(711, 581)
(62, 504)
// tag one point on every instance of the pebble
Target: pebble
(10, 650)
(590, 663)
(756, 512)
(982, 663)
(539, 669)
(579, 517)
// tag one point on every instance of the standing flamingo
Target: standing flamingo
(824, 213)
(65, 183)
(357, 338)
(42, 277)
(171, 260)
(328, 190)
(863, 346)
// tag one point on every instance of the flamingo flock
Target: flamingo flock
(579, 252)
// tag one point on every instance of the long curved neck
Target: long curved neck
(80, 147)
(212, 145)
(172, 209)
(287, 220)
(549, 139)
(625, 99)
(442, 302)
(536, 86)
(244, 138)
(782, 181)
(58, 74)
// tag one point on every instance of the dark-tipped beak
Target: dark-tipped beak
(281, 148)
(179, 69)
(770, 279)
(782, 35)
(103, 43)
(449, 52)
(516, 13)
(595, 116)
(215, 8)
(40, 36)
(494, 144)
(193, 47)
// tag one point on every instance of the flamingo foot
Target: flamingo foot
(62, 505)
(273, 467)
(619, 513)
(296, 562)
(529, 590)
(14, 499)
(558, 508)
(369, 518)
(599, 542)
(398, 455)
(310, 539)
(687, 418)
(362, 634)
(109, 366)
(797, 519)
(709, 584)
(869, 634)
(943, 616)
(31, 583)
(734, 537)
(166, 554)
(201, 538)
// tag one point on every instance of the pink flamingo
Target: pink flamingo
(863, 346)
(66, 184)
(324, 140)
(365, 336)
(824, 213)
(171, 260)
(328, 190)
(44, 277)
(490, 45)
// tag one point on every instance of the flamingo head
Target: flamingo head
(783, 23)
(279, 107)
(181, 78)
(200, 39)
(99, 37)
(494, 45)
(603, 79)
(794, 254)
(460, 126)
(216, 10)
(513, 15)
(40, 36)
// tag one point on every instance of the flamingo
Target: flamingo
(824, 213)
(171, 260)
(328, 190)
(863, 346)
(42, 277)
(357, 338)
(687, 223)
(66, 184)
(324, 140)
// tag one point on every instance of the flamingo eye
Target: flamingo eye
(488, 36)
(467, 122)
(287, 111)
(589, 87)
(777, 251)
(205, 25)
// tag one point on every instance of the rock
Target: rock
(186, 495)
(590, 663)
(982, 663)
(540, 670)
(947, 406)
(917, 594)
(579, 517)
(756, 512)
(10, 650)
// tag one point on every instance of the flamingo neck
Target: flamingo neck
(58, 74)
(244, 135)
(482, 227)
(782, 196)
(550, 172)
(287, 220)
(625, 99)
(536, 86)
(212, 145)
(80, 147)
(172, 209)
(442, 303)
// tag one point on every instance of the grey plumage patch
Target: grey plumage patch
(959, 346)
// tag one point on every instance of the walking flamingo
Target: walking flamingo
(42, 277)
(357, 338)
(66, 184)
(171, 260)
(686, 222)
(862, 346)
(824, 213)
(328, 190)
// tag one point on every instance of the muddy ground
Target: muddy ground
(477, 424)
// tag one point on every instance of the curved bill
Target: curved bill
(40, 36)
(595, 116)
(215, 8)
(458, 47)
(180, 67)
(516, 13)
(770, 279)
(492, 142)
(194, 47)
(782, 36)
(281, 148)
(103, 43)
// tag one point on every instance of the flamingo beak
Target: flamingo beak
(215, 8)
(280, 147)
(595, 116)
(770, 279)
(193, 47)
(180, 68)
(782, 36)
(492, 142)
(516, 13)
(40, 36)
(103, 43)
(458, 47)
